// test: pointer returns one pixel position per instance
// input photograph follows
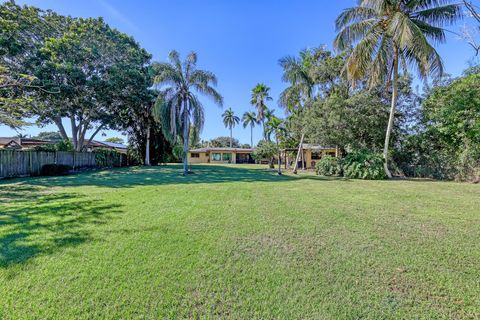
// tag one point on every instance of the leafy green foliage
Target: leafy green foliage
(108, 158)
(329, 166)
(221, 142)
(265, 150)
(63, 145)
(115, 140)
(363, 165)
(447, 145)
(178, 152)
(49, 135)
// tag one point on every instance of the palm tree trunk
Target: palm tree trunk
(279, 159)
(147, 147)
(392, 111)
(264, 131)
(231, 136)
(251, 136)
(185, 137)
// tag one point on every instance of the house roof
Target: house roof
(23, 141)
(311, 146)
(6, 140)
(223, 149)
(113, 145)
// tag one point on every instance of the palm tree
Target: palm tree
(230, 120)
(269, 114)
(277, 127)
(297, 72)
(177, 104)
(260, 95)
(388, 33)
(250, 119)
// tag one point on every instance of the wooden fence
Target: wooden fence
(29, 163)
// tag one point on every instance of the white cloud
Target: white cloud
(117, 15)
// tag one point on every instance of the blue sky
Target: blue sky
(240, 41)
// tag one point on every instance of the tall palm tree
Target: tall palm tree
(250, 119)
(277, 127)
(260, 95)
(230, 120)
(177, 104)
(298, 73)
(386, 34)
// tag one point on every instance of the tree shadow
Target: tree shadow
(34, 221)
(171, 174)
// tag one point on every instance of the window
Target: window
(216, 156)
(316, 155)
(226, 156)
(195, 155)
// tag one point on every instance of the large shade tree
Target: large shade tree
(178, 105)
(230, 120)
(389, 34)
(260, 96)
(99, 73)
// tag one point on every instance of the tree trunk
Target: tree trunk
(295, 167)
(231, 136)
(279, 160)
(147, 147)
(93, 135)
(61, 128)
(74, 132)
(185, 137)
(251, 136)
(264, 131)
(392, 111)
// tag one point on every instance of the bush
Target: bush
(63, 145)
(107, 158)
(55, 170)
(329, 166)
(364, 165)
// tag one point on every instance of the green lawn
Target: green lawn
(237, 242)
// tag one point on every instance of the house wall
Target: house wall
(203, 157)
(233, 160)
(311, 162)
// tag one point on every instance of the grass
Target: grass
(237, 242)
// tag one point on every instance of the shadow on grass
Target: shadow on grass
(162, 175)
(34, 222)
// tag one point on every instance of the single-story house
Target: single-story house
(311, 154)
(21, 143)
(221, 155)
(29, 143)
(121, 148)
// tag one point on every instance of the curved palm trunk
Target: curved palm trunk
(147, 147)
(392, 112)
(185, 137)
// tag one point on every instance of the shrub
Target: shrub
(63, 145)
(55, 170)
(107, 158)
(364, 165)
(328, 166)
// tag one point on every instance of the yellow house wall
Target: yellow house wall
(203, 158)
